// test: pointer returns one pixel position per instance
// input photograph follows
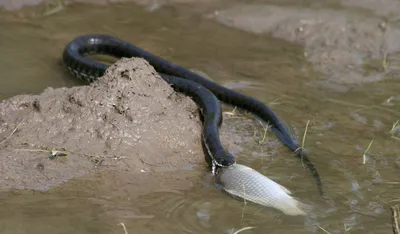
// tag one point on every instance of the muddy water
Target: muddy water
(341, 127)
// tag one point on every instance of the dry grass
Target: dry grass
(54, 8)
(385, 63)
(305, 134)
(346, 229)
(362, 107)
(367, 150)
(395, 129)
(15, 129)
(242, 230)
(323, 229)
(124, 227)
(395, 219)
(58, 152)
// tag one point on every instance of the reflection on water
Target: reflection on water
(159, 212)
(358, 194)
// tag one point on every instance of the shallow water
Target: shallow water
(341, 127)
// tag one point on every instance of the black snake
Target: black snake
(204, 92)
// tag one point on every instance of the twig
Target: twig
(395, 218)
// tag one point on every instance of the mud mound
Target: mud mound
(130, 119)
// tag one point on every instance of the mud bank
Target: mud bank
(14, 5)
(351, 44)
(337, 42)
(129, 120)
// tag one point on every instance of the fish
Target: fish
(244, 182)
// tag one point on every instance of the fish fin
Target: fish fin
(286, 190)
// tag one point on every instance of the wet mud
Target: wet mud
(128, 120)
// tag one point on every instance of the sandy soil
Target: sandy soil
(129, 120)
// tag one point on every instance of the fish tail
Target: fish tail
(295, 207)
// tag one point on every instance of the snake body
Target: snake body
(200, 89)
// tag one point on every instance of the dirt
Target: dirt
(128, 120)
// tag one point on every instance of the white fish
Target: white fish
(249, 184)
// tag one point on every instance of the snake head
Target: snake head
(224, 159)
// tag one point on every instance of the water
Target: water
(341, 127)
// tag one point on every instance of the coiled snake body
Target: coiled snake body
(204, 92)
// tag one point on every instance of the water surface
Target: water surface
(341, 127)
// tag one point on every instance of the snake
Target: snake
(205, 93)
